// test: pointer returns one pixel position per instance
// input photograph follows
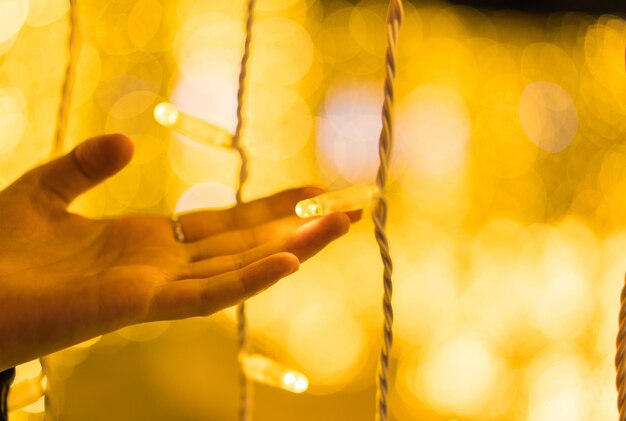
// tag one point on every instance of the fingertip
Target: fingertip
(338, 224)
(102, 156)
(268, 271)
(286, 263)
(347, 221)
(118, 147)
(355, 216)
(319, 232)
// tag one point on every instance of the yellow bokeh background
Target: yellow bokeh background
(507, 200)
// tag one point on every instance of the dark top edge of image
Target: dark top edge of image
(599, 7)
(595, 7)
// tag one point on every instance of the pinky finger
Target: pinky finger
(200, 297)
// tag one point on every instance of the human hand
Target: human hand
(65, 278)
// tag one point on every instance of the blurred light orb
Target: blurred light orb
(125, 189)
(13, 121)
(206, 196)
(603, 391)
(282, 129)
(460, 375)
(348, 132)
(7, 44)
(367, 29)
(132, 104)
(45, 12)
(166, 114)
(435, 120)
(144, 21)
(207, 51)
(548, 116)
(283, 52)
(428, 282)
(13, 14)
(328, 344)
(559, 393)
(208, 88)
(208, 30)
(564, 299)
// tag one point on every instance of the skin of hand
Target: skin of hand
(65, 278)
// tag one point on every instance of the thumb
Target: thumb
(87, 165)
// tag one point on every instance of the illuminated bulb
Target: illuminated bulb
(349, 199)
(26, 392)
(167, 115)
(267, 371)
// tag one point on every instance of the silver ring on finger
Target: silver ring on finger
(178, 230)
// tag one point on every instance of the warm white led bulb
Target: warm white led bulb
(192, 127)
(264, 370)
(26, 392)
(349, 199)
(166, 114)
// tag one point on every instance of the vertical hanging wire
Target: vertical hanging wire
(620, 354)
(63, 116)
(379, 213)
(68, 82)
(245, 385)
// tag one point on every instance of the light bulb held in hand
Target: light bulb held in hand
(264, 370)
(168, 115)
(349, 199)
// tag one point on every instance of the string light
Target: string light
(167, 115)
(25, 393)
(345, 200)
(264, 370)
(29, 387)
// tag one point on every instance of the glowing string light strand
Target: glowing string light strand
(349, 199)
(267, 371)
(379, 214)
(245, 384)
(169, 116)
(620, 355)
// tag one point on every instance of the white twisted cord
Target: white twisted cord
(245, 385)
(379, 213)
(620, 378)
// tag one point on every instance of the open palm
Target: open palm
(65, 278)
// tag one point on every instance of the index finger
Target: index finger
(200, 224)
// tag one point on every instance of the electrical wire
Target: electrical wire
(68, 82)
(620, 379)
(245, 384)
(379, 213)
